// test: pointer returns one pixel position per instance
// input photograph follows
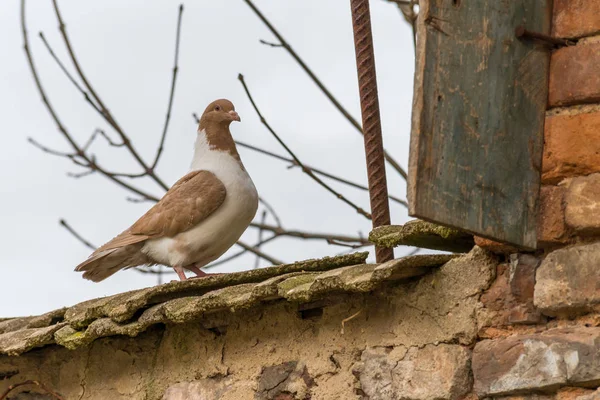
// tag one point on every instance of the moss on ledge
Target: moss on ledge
(423, 234)
(131, 313)
(123, 306)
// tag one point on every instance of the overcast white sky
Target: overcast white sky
(126, 49)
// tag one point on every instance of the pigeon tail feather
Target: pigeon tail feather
(103, 264)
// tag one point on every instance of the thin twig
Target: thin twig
(162, 270)
(103, 109)
(343, 244)
(64, 69)
(90, 163)
(260, 235)
(77, 236)
(320, 84)
(69, 76)
(100, 132)
(270, 43)
(172, 93)
(271, 210)
(52, 151)
(238, 254)
(31, 382)
(310, 235)
(296, 159)
(78, 175)
(352, 250)
(315, 170)
(259, 253)
(138, 200)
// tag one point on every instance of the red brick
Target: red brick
(576, 18)
(572, 146)
(509, 300)
(575, 74)
(551, 224)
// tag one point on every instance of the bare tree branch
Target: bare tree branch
(77, 150)
(352, 246)
(315, 170)
(259, 253)
(77, 236)
(238, 254)
(78, 175)
(71, 156)
(103, 109)
(283, 43)
(172, 93)
(138, 200)
(296, 159)
(67, 73)
(271, 210)
(270, 43)
(149, 270)
(310, 235)
(100, 132)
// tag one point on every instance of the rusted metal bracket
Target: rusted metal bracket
(522, 33)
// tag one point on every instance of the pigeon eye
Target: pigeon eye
(217, 108)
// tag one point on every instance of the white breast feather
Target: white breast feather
(223, 228)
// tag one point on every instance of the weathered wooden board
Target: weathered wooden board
(478, 117)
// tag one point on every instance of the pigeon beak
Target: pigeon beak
(235, 116)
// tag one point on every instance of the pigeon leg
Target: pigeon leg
(196, 270)
(180, 273)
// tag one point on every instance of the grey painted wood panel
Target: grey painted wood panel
(478, 117)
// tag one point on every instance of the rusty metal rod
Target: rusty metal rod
(521, 32)
(371, 121)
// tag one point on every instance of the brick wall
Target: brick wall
(571, 163)
(539, 332)
(570, 193)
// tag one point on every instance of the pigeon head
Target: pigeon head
(220, 111)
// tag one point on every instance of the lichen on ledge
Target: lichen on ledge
(422, 234)
(133, 312)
